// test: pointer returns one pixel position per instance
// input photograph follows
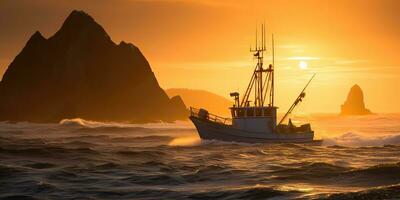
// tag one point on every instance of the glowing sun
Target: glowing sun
(303, 65)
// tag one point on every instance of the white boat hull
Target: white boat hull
(209, 130)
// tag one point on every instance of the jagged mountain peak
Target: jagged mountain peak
(81, 73)
(79, 24)
(36, 38)
(77, 17)
(37, 35)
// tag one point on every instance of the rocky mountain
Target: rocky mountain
(203, 99)
(81, 72)
(354, 104)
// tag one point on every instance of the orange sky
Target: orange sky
(204, 44)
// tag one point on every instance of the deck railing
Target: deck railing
(211, 117)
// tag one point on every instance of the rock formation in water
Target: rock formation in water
(81, 72)
(203, 99)
(354, 104)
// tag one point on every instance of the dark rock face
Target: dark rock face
(354, 104)
(81, 72)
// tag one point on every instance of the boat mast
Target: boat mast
(263, 84)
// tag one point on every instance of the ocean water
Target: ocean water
(78, 159)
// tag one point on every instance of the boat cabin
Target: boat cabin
(252, 118)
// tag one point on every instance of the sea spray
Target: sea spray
(354, 139)
(185, 141)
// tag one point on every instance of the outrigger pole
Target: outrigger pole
(297, 101)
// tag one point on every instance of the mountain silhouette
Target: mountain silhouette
(81, 72)
(203, 99)
(354, 104)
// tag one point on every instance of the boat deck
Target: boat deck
(194, 112)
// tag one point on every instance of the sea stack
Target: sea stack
(354, 104)
(79, 72)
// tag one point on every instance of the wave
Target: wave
(9, 171)
(384, 192)
(381, 174)
(68, 173)
(156, 179)
(389, 169)
(129, 129)
(219, 142)
(40, 165)
(106, 166)
(113, 129)
(90, 123)
(74, 144)
(19, 197)
(185, 141)
(81, 126)
(154, 193)
(249, 192)
(337, 147)
(142, 154)
(354, 139)
(78, 122)
(11, 132)
(46, 151)
(150, 138)
(309, 171)
(91, 140)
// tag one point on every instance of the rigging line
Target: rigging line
(267, 86)
(255, 90)
(260, 88)
(259, 96)
(247, 90)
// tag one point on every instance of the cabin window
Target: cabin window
(240, 113)
(267, 112)
(250, 112)
(258, 112)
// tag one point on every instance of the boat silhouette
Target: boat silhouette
(254, 121)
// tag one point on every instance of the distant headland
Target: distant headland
(81, 72)
(354, 104)
(203, 99)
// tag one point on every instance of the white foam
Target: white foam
(83, 122)
(354, 139)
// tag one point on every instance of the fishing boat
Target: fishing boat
(254, 116)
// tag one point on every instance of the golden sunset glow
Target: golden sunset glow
(303, 65)
(200, 99)
(205, 44)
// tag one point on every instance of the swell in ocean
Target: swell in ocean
(80, 159)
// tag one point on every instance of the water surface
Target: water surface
(79, 159)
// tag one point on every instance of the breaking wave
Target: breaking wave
(385, 192)
(354, 139)
(82, 123)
